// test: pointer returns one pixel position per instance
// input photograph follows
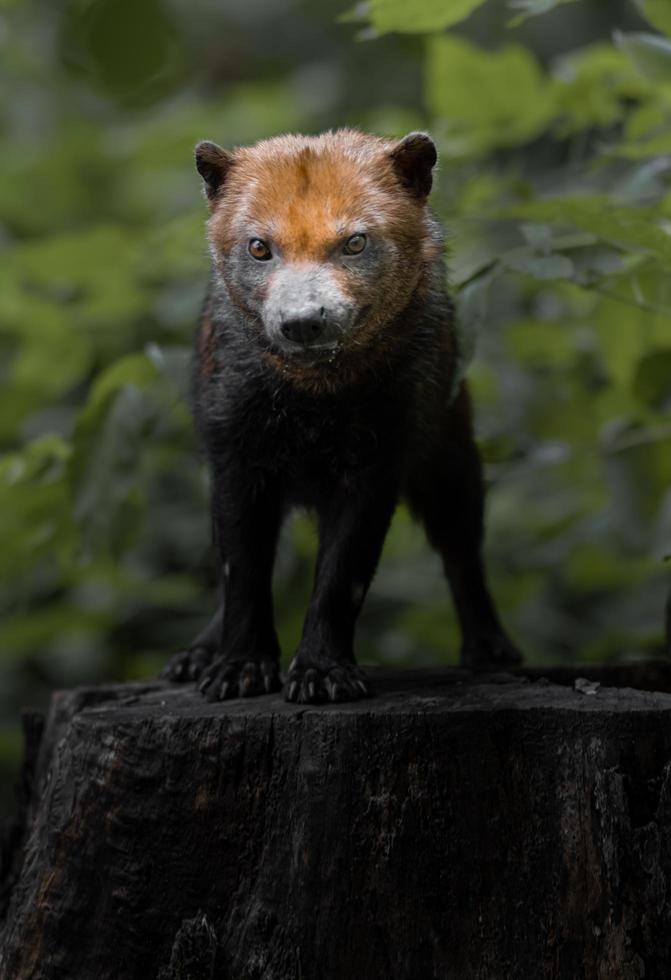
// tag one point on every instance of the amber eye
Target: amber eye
(355, 245)
(259, 250)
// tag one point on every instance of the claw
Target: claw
(340, 682)
(226, 678)
(174, 669)
(187, 665)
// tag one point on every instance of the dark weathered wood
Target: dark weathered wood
(492, 827)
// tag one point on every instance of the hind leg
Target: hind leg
(445, 491)
(189, 664)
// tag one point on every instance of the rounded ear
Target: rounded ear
(213, 164)
(414, 158)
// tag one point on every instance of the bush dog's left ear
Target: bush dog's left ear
(213, 164)
(414, 158)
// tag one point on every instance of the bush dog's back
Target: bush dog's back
(326, 378)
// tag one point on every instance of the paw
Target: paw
(308, 684)
(225, 679)
(493, 649)
(188, 665)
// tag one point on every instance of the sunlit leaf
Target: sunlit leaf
(483, 98)
(649, 53)
(658, 12)
(419, 17)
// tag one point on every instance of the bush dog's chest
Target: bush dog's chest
(310, 441)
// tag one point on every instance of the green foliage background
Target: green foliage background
(553, 123)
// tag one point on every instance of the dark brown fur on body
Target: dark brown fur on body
(325, 378)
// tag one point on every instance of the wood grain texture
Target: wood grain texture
(456, 826)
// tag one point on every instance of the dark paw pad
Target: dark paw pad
(307, 684)
(490, 650)
(226, 679)
(188, 665)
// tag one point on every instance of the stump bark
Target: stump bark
(456, 826)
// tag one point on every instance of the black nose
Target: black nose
(305, 330)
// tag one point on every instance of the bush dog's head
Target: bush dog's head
(320, 240)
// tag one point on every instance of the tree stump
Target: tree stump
(456, 826)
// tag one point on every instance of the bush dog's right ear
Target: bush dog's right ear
(213, 164)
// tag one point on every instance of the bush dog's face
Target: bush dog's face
(320, 241)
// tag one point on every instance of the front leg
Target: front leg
(352, 528)
(246, 512)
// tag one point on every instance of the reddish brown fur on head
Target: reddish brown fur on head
(305, 196)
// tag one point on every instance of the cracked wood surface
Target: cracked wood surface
(455, 826)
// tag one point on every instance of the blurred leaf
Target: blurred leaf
(477, 247)
(485, 98)
(643, 148)
(472, 309)
(532, 8)
(419, 16)
(631, 227)
(592, 568)
(594, 86)
(538, 236)
(106, 477)
(658, 12)
(638, 468)
(652, 380)
(35, 504)
(537, 344)
(539, 266)
(92, 272)
(40, 461)
(134, 369)
(128, 49)
(649, 53)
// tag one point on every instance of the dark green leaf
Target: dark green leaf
(652, 380)
(658, 12)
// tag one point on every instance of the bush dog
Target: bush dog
(326, 377)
